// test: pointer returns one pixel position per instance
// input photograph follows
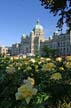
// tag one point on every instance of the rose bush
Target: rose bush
(35, 82)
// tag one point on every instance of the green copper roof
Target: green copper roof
(23, 36)
(38, 25)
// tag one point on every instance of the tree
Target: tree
(60, 7)
(48, 52)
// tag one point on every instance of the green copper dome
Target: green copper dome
(23, 36)
(38, 25)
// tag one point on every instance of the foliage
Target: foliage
(35, 82)
(48, 52)
(60, 7)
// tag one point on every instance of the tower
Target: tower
(37, 35)
(38, 30)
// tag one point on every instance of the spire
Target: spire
(38, 25)
(38, 22)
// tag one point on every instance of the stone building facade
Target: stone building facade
(3, 50)
(29, 45)
(33, 44)
(60, 42)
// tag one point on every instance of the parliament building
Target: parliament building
(33, 43)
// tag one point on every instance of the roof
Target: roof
(38, 25)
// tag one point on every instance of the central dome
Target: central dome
(38, 25)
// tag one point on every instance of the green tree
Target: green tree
(61, 8)
(48, 52)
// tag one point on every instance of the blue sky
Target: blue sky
(18, 17)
